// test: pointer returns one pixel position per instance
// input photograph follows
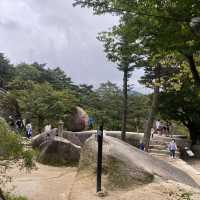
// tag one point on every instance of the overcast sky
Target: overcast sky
(53, 32)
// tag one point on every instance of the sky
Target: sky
(56, 33)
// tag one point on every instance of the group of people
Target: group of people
(162, 128)
(21, 125)
(172, 147)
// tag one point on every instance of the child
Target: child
(172, 148)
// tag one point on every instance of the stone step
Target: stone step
(163, 156)
(164, 151)
(158, 146)
(159, 155)
(158, 142)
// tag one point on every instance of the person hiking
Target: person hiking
(172, 148)
(18, 125)
(158, 126)
(47, 128)
(29, 130)
(141, 145)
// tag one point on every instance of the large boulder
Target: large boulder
(131, 137)
(41, 138)
(125, 165)
(59, 151)
(82, 136)
(78, 120)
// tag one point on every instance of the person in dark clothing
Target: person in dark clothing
(141, 146)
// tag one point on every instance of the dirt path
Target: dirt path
(46, 183)
(54, 183)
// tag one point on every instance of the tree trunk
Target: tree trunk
(193, 69)
(154, 107)
(194, 133)
(125, 105)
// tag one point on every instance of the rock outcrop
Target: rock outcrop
(59, 151)
(125, 165)
(41, 138)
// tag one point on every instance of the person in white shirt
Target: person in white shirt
(158, 126)
(29, 130)
(47, 128)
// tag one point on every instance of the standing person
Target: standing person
(158, 126)
(172, 148)
(18, 124)
(168, 124)
(152, 132)
(29, 130)
(141, 146)
(47, 128)
(91, 123)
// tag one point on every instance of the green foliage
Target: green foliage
(12, 150)
(28, 156)
(25, 72)
(44, 104)
(10, 144)
(138, 111)
(12, 147)
(9, 106)
(105, 103)
(6, 71)
(9, 196)
(45, 95)
(110, 102)
(183, 106)
(185, 196)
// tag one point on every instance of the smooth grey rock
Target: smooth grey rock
(125, 165)
(59, 151)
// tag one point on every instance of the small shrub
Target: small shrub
(185, 196)
(28, 157)
(10, 143)
(8, 196)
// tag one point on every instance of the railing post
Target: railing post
(99, 157)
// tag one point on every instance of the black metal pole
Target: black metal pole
(99, 157)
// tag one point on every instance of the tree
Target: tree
(139, 106)
(110, 104)
(156, 25)
(26, 72)
(156, 77)
(42, 103)
(121, 51)
(57, 78)
(6, 71)
(180, 103)
(9, 106)
(185, 108)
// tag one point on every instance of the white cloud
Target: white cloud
(54, 32)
